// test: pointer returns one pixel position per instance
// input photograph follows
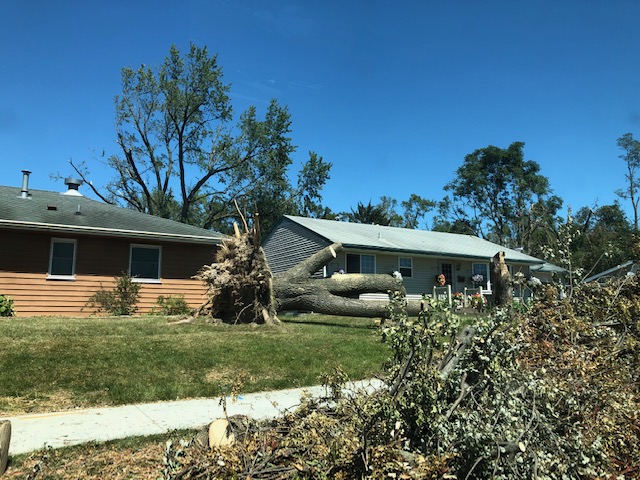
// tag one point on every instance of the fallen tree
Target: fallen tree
(242, 289)
(297, 289)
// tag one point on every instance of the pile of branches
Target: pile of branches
(322, 438)
(552, 393)
(239, 282)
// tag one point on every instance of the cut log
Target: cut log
(312, 264)
(220, 433)
(5, 439)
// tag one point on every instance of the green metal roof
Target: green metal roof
(75, 214)
(422, 242)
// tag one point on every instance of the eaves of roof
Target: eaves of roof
(427, 253)
(105, 232)
(53, 212)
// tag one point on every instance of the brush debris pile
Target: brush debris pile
(552, 393)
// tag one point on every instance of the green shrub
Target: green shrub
(172, 305)
(6, 306)
(119, 301)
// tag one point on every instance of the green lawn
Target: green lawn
(49, 363)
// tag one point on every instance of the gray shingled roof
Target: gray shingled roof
(56, 212)
(377, 237)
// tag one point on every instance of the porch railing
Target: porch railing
(442, 294)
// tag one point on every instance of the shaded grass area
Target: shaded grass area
(49, 363)
(133, 457)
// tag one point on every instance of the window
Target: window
(62, 262)
(481, 269)
(447, 270)
(145, 262)
(405, 266)
(361, 263)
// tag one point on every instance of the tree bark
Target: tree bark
(295, 289)
(500, 281)
(5, 439)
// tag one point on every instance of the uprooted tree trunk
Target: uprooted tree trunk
(239, 282)
(242, 289)
(296, 289)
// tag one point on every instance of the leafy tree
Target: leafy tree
(308, 197)
(593, 240)
(454, 220)
(498, 194)
(386, 212)
(182, 155)
(370, 214)
(631, 157)
(389, 206)
(606, 241)
(415, 209)
(538, 224)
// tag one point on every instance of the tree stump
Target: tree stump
(501, 281)
(5, 438)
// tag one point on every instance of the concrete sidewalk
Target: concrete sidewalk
(60, 429)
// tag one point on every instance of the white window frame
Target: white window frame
(54, 276)
(410, 267)
(158, 248)
(360, 255)
(487, 280)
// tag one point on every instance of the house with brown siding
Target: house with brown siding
(57, 249)
(418, 255)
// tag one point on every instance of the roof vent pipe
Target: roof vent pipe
(24, 193)
(72, 184)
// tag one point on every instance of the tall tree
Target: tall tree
(538, 224)
(370, 214)
(454, 220)
(496, 192)
(606, 238)
(415, 209)
(183, 156)
(386, 212)
(631, 157)
(308, 194)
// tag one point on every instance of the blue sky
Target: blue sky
(393, 93)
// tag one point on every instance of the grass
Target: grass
(52, 363)
(133, 457)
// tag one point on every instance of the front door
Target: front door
(447, 270)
